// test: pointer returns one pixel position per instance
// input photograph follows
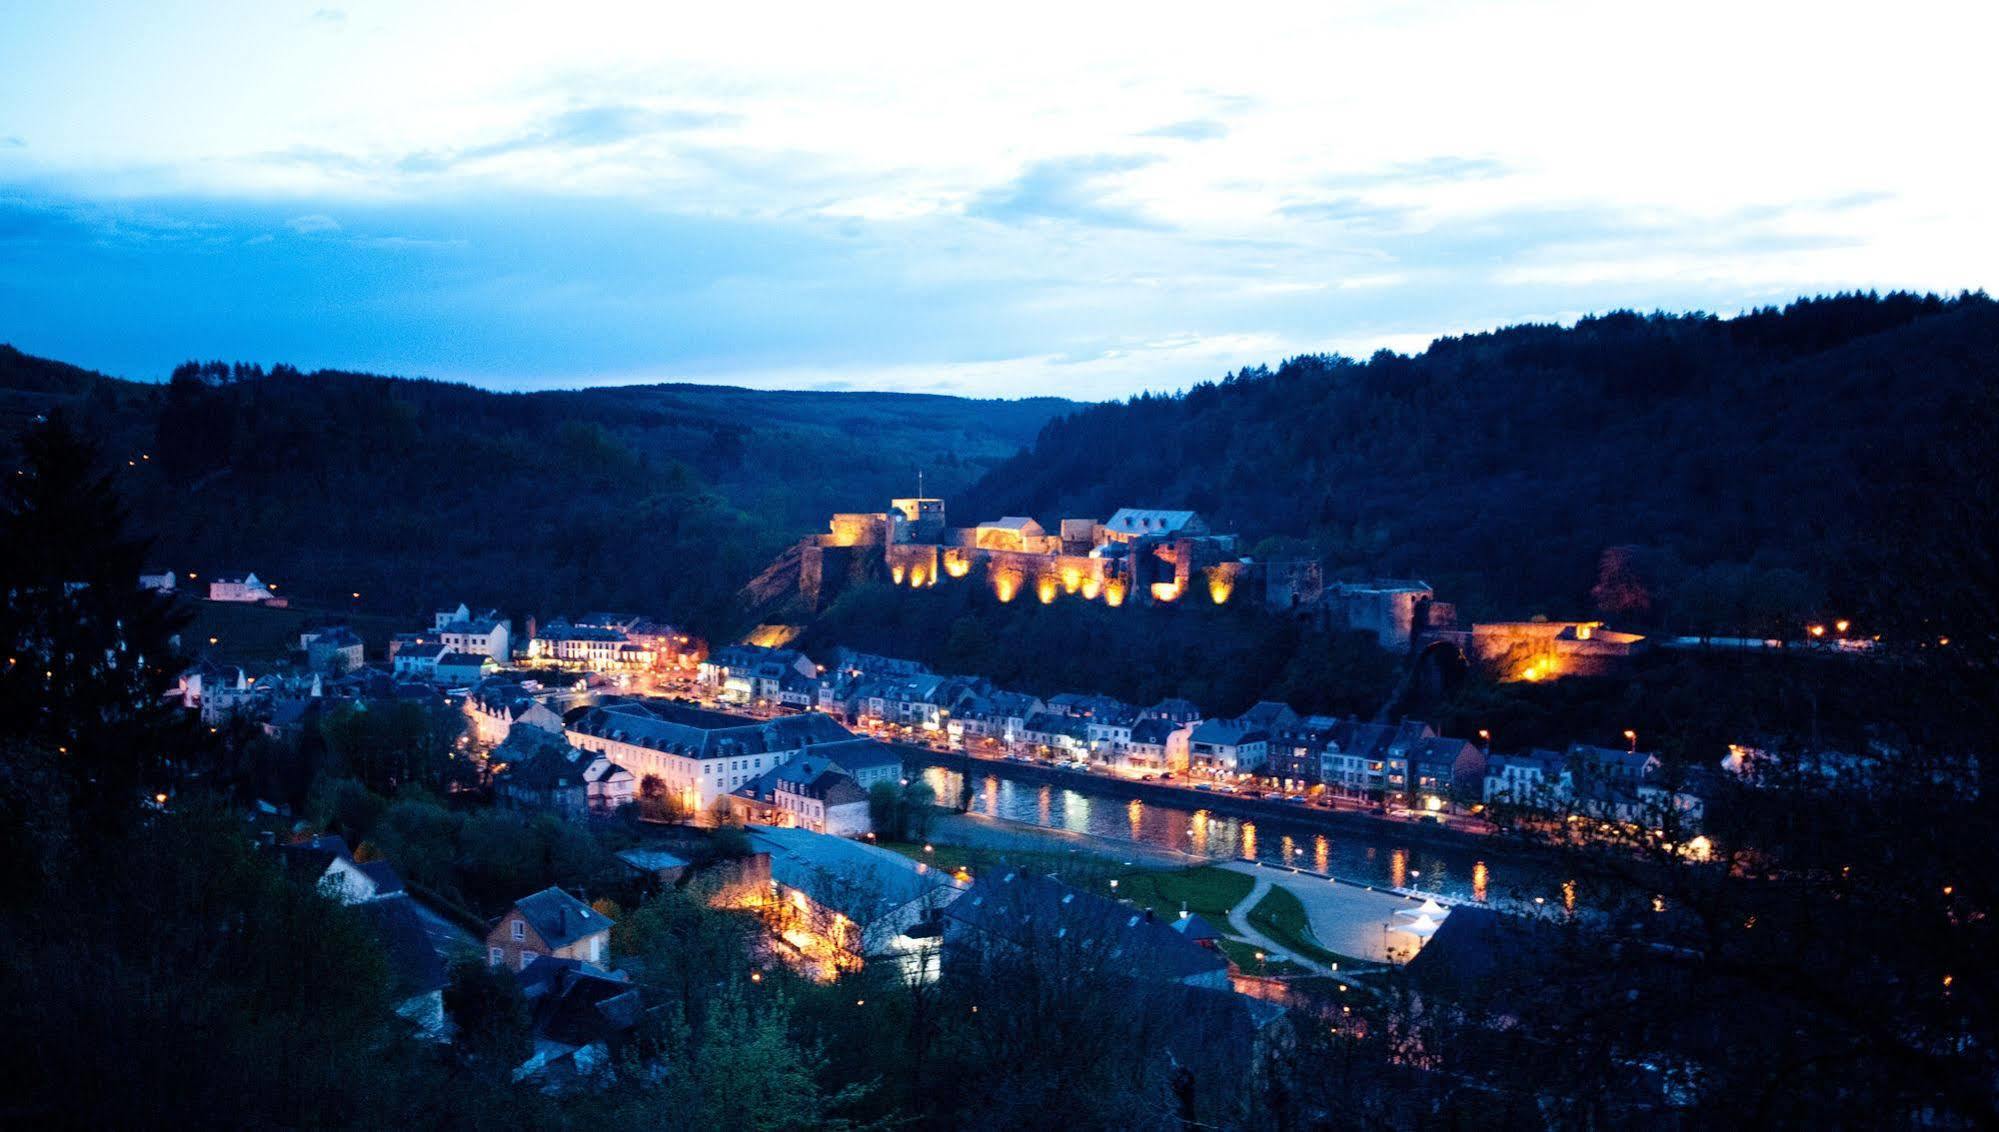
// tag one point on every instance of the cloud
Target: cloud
(1065, 188)
(583, 127)
(313, 223)
(333, 16)
(1193, 130)
(12, 141)
(1352, 211)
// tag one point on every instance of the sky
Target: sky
(1085, 200)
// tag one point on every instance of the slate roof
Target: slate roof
(665, 726)
(387, 881)
(858, 880)
(559, 918)
(1153, 732)
(1138, 520)
(1029, 911)
(414, 966)
(1227, 732)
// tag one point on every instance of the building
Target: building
(581, 1017)
(1227, 748)
(700, 756)
(416, 971)
(417, 661)
(539, 770)
(1012, 915)
(564, 645)
(1173, 711)
(1394, 611)
(241, 588)
(745, 674)
(1298, 750)
(333, 649)
(1443, 770)
(1057, 736)
(496, 706)
(159, 583)
(479, 636)
(1151, 747)
(808, 792)
(842, 902)
(462, 669)
(549, 923)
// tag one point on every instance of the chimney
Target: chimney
(1148, 915)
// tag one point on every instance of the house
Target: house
(417, 976)
(1151, 743)
(1131, 523)
(1011, 532)
(845, 901)
(581, 1017)
(416, 971)
(1298, 748)
(747, 673)
(541, 770)
(1230, 747)
(1173, 711)
(866, 761)
(332, 649)
(660, 865)
(497, 706)
(239, 587)
(700, 755)
(550, 922)
(1445, 769)
(1062, 736)
(809, 792)
(995, 717)
(159, 583)
(417, 661)
(324, 862)
(479, 636)
(1533, 779)
(1015, 913)
(462, 669)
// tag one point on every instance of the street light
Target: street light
(1632, 738)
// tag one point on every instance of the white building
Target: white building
(699, 755)
(244, 588)
(1227, 747)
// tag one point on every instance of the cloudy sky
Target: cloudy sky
(1079, 199)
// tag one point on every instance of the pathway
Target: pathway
(1346, 918)
(1239, 921)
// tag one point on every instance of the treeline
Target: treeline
(1500, 466)
(414, 492)
(1224, 658)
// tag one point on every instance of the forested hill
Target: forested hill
(662, 498)
(1499, 466)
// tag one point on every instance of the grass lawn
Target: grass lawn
(1205, 890)
(1243, 955)
(253, 634)
(1280, 916)
(1083, 870)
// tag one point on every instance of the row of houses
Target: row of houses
(1272, 746)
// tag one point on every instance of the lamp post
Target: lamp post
(1631, 737)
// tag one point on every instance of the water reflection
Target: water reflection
(1204, 834)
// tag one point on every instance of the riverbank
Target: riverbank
(1215, 802)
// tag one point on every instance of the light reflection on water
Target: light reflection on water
(1365, 858)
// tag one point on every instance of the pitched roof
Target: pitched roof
(860, 881)
(559, 918)
(1153, 731)
(663, 725)
(1138, 520)
(414, 965)
(1023, 909)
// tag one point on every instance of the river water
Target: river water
(1369, 858)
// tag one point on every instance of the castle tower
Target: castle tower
(923, 516)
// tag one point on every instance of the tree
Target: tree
(485, 1004)
(1620, 591)
(88, 653)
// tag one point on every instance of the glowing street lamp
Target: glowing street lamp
(1631, 737)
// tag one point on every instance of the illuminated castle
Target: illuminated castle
(1137, 555)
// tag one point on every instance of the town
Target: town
(802, 790)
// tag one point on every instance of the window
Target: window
(528, 957)
(520, 929)
(495, 956)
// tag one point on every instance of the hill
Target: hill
(1735, 456)
(410, 492)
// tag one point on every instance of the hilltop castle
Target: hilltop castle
(1137, 555)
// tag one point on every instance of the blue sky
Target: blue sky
(1070, 199)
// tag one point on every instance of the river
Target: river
(1465, 874)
